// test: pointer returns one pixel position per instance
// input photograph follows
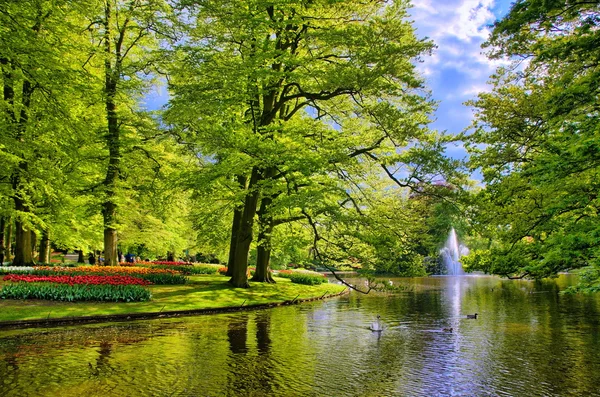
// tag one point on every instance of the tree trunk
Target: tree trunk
(9, 238)
(111, 78)
(80, 258)
(170, 256)
(45, 247)
(110, 247)
(263, 251)
(240, 263)
(2, 236)
(23, 250)
(92, 258)
(235, 227)
(34, 253)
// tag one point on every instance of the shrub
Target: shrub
(308, 278)
(200, 269)
(164, 278)
(285, 273)
(76, 292)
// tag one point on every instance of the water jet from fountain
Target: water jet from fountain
(451, 254)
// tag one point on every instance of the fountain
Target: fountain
(451, 254)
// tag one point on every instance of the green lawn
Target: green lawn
(201, 292)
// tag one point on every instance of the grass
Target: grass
(201, 292)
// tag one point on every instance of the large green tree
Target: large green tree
(536, 139)
(286, 93)
(123, 53)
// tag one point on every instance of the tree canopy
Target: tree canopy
(536, 139)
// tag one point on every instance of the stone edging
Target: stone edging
(49, 322)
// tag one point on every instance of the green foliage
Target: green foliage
(77, 292)
(307, 278)
(194, 269)
(535, 138)
(166, 279)
(589, 281)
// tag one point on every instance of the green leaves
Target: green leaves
(535, 139)
(77, 292)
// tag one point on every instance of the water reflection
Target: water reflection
(527, 340)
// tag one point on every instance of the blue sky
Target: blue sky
(458, 68)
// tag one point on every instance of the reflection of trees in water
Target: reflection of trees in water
(237, 335)
(102, 362)
(250, 372)
(263, 325)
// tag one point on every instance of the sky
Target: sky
(457, 70)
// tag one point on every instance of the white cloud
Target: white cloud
(458, 70)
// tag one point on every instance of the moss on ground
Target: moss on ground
(201, 292)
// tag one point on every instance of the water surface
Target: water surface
(528, 340)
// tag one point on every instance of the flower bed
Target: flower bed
(107, 269)
(156, 276)
(72, 280)
(223, 270)
(75, 292)
(18, 269)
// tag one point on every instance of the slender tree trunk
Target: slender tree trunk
(23, 250)
(9, 239)
(34, 253)
(235, 227)
(2, 237)
(170, 256)
(111, 77)
(45, 247)
(80, 258)
(240, 263)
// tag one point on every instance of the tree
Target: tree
(40, 113)
(124, 38)
(536, 139)
(285, 93)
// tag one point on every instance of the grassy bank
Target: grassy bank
(201, 292)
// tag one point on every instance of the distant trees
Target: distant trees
(74, 141)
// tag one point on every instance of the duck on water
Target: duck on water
(376, 325)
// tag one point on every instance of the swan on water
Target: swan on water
(376, 325)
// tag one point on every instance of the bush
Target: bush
(222, 270)
(163, 278)
(285, 273)
(199, 269)
(77, 292)
(308, 278)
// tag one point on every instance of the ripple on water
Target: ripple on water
(521, 344)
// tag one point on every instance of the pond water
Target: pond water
(528, 340)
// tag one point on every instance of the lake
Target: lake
(528, 340)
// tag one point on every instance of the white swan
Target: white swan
(376, 325)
